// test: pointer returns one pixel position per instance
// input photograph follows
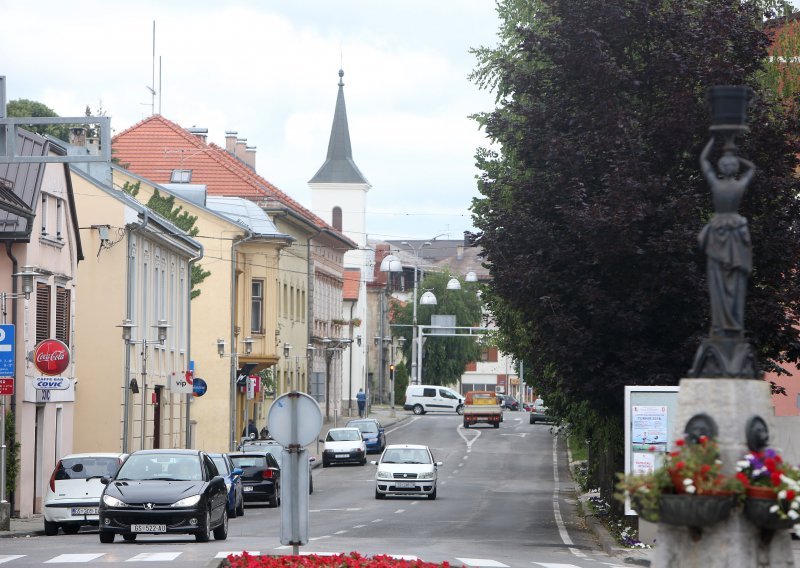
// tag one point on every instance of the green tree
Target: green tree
(24, 107)
(444, 358)
(592, 197)
(165, 206)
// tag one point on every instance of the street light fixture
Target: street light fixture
(130, 384)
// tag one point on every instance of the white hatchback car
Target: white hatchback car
(406, 469)
(344, 445)
(73, 494)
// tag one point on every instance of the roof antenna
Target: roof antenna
(152, 86)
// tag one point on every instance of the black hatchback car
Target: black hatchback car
(165, 492)
(261, 480)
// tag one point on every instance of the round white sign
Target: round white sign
(294, 418)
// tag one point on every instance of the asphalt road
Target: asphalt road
(504, 499)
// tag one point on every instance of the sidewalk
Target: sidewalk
(33, 526)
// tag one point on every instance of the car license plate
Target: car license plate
(148, 528)
(404, 485)
(247, 488)
(342, 455)
(80, 511)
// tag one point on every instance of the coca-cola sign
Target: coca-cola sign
(51, 357)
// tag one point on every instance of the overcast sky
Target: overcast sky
(269, 70)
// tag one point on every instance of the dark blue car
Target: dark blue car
(233, 481)
(371, 432)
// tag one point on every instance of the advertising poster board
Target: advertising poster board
(649, 415)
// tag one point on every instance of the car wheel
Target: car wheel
(129, 537)
(71, 529)
(531, 420)
(50, 529)
(460, 409)
(324, 463)
(310, 485)
(221, 532)
(240, 506)
(466, 424)
(364, 461)
(497, 425)
(231, 512)
(203, 534)
(379, 495)
(418, 409)
(273, 501)
(432, 494)
(106, 537)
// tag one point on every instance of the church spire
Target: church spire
(339, 166)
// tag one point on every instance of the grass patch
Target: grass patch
(577, 447)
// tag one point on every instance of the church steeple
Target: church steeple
(339, 166)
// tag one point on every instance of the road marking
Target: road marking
(399, 511)
(9, 557)
(562, 528)
(556, 565)
(64, 558)
(227, 553)
(409, 557)
(461, 430)
(470, 562)
(319, 537)
(359, 526)
(403, 424)
(341, 531)
(377, 520)
(520, 435)
(154, 557)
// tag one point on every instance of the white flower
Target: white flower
(742, 464)
(690, 489)
(687, 481)
(794, 515)
(782, 494)
(774, 509)
(795, 504)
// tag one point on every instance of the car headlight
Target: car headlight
(425, 475)
(110, 501)
(188, 502)
(383, 474)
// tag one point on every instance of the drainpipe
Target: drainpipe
(350, 378)
(128, 303)
(310, 321)
(14, 270)
(233, 348)
(189, 396)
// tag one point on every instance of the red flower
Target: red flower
(769, 463)
(703, 440)
(680, 465)
(680, 442)
(705, 468)
(775, 477)
(743, 478)
(790, 494)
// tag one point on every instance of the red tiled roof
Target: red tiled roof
(352, 279)
(154, 147)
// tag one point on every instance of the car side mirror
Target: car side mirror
(237, 471)
(437, 464)
(104, 480)
(373, 462)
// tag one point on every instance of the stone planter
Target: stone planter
(757, 510)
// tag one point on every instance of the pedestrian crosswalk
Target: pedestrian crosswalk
(169, 556)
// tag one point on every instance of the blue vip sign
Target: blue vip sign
(199, 387)
(7, 350)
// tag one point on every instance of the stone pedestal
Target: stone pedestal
(735, 541)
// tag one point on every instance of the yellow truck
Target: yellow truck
(482, 407)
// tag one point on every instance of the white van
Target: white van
(427, 398)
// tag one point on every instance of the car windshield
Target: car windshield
(86, 468)
(245, 462)
(405, 455)
(366, 427)
(344, 435)
(222, 465)
(167, 467)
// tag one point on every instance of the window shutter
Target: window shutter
(63, 296)
(42, 312)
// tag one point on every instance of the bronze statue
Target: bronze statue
(726, 242)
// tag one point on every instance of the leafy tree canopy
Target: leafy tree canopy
(444, 358)
(592, 197)
(24, 107)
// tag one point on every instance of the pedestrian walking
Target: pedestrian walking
(250, 431)
(361, 398)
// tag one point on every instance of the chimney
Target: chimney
(77, 136)
(250, 157)
(201, 133)
(230, 141)
(239, 151)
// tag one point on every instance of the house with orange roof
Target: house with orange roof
(310, 270)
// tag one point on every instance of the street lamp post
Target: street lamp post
(393, 362)
(234, 356)
(27, 276)
(132, 387)
(415, 348)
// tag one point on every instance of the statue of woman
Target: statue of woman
(726, 242)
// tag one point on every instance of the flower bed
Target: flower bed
(351, 560)
(766, 477)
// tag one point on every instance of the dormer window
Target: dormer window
(181, 176)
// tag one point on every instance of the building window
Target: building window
(257, 306)
(42, 312)
(59, 219)
(180, 176)
(63, 297)
(337, 218)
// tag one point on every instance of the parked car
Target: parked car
(276, 450)
(372, 432)
(344, 445)
(509, 402)
(406, 469)
(165, 492)
(261, 477)
(72, 497)
(233, 481)
(539, 413)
